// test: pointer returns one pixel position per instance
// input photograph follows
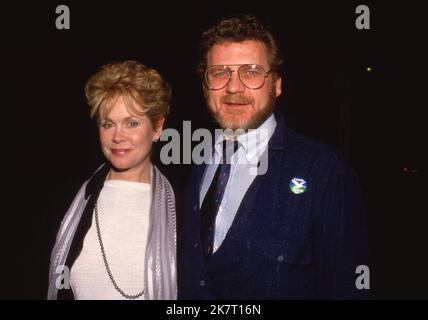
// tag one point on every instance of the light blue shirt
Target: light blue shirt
(243, 170)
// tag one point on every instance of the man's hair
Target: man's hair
(143, 90)
(239, 29)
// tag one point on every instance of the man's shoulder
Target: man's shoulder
(309, 149)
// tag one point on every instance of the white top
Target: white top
(243, 171)
(123, 212)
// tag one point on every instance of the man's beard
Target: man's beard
(253, 122)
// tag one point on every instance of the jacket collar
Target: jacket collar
(278, 140)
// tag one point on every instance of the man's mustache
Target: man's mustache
(236, 99)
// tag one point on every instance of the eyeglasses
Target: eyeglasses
(251, 75)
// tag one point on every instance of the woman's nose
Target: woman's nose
(119, 135)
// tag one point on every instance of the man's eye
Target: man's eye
(220, 74)
(251, 73)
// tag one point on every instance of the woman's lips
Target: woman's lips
(120, 152)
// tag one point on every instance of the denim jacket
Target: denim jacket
(282, 245)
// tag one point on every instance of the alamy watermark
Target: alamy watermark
(178, 150)
(363, 280)
(363, 20)
(62, 21)
(63, 279)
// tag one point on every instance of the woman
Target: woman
(118, 238)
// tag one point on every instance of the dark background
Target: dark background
(375, 118)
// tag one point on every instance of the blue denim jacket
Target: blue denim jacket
(282, 245)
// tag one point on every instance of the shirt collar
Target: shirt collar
(253, 142)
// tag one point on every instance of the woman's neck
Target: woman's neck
(134, 175)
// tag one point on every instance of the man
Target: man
(279, 216)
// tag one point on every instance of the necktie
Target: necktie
(213, 198)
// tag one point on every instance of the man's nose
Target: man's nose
(235, 84)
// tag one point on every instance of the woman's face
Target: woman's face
(126, 140)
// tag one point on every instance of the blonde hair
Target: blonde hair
(143, 90)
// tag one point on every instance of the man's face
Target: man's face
(236, 106)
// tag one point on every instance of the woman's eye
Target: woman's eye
(132, 124)
(106, 125)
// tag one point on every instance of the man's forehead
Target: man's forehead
(245, 52)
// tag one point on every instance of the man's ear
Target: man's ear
(158, 129)
(278, 87)
(204, 89)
